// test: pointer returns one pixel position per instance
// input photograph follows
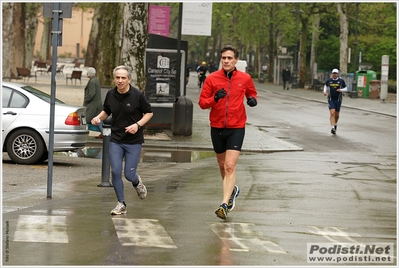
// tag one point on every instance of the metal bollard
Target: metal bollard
(105, 171)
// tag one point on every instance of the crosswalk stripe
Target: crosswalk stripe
(241, 237)
(142, 232)
(38, 228)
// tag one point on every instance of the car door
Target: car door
(13, 103)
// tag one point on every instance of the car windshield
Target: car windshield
(40, 94)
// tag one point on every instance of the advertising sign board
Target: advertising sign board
(158, 20)
(162, 75)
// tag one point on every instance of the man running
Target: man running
(334, 87)
(223, 93)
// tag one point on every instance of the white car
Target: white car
(25, 122)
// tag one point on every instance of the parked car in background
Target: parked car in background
(25, 122)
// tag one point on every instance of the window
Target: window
(13, 99)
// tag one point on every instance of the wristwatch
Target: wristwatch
(138, 125)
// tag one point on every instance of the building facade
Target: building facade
(75, 33)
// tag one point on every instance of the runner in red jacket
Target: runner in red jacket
(223, 92)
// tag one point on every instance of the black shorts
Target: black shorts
(334, 104)
(227, 139)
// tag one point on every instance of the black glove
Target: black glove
(221, 93)
(251, 101)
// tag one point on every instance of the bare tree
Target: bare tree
(343, 37)
(135, 39)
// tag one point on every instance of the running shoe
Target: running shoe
(333, 130)
(141, 189)
(119, 209)
(232, 200)
(221, 212)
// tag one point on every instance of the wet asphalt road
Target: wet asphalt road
(285, 202)
(344, 194)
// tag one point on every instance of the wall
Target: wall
(75, 30)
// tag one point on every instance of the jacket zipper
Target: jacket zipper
(227, 102)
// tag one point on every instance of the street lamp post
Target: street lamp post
(354, 82)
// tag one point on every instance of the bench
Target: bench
(74, 75)
(12, 77)
(41, 66)
(25, 73)
(58, 69)
(76, 63)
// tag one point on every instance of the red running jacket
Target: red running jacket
(228, 112)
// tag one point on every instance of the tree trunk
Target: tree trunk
(107, 58)
(13, 38)
(44, 53)
(8, 66)
(343, 37)
(271, 48)
(92, 50)
(259, 52)
(315, 38)
(19, 35)
(20, 22)
(32, 23)
(302, 53)
(135, 39)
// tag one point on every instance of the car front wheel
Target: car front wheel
(25, 146)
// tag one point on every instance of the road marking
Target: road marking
(58, 212)
(241, 237)
(330, 232)
(142, 232)
(36, 228)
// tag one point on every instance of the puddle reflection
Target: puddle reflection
(149, 155)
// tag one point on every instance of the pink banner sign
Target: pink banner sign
(158, 20)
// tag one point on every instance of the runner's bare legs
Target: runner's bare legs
(227, 165)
